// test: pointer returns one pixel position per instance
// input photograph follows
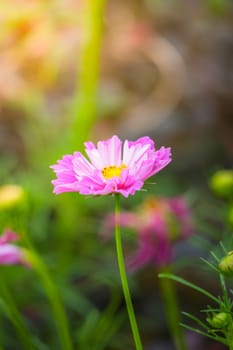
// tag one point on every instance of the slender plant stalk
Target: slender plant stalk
(1, 334)
(229, 335)
(103, 324)
(172, 310)
(229, 332)
(85, 97)
(54, 299)
(59, 313)
(15, 317)
(230, 339)
(123, 276)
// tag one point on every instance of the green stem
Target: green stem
(229, 335)
(54, 299)
(1, 334)
(230, 340)
(227, 303)
(103, 328)
(123, 276)
(14, 315)
(59, 313)
(226, 300)
(172, 311)
(85, 98)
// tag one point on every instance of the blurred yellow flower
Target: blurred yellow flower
(10, 196)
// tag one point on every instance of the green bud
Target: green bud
(219, 320)
(222, 183)
(226, 264)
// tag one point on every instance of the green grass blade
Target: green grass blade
(212, 266)
(202, 324)
(196, 330)
(10, 309)
(189, 284)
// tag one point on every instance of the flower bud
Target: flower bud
(11, 254)
(226, 264)
(219, 320)
(222, 183)
(10, 196)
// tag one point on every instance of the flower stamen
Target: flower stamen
(112, 171)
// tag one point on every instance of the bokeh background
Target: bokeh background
(72, 71)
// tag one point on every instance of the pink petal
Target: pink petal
(111, 151)
(76, 174)
(162, 158)
(107, 153)
(10, 254)
(81, 166)
(66, 178)
(95, 157)
(8, 236)
(139, 259)
(135, 152)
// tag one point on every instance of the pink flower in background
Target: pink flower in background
(113, 167)
(11, 254)
(158, 223)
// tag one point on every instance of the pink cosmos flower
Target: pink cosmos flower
(9, 253)
(158, 223)
(113, 167)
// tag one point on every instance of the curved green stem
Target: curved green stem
(14, 315)
(172, 311)
(230, 339)
(54, 299)
(123, 276)
(227, 302)
(229, 334)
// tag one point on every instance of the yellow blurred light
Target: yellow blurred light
(10, 196)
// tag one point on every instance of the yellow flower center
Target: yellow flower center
(111, 171)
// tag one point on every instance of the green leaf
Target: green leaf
(86, 331)
(212, 266)
(188, 284)
(110, 332)
(215, 257)
(196, 330)
(196, 320)
(212, 310)
(223, 248)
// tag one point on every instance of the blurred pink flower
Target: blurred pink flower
(9, 253)
(158, 223)
(113, 167)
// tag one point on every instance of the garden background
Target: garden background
(74, 71)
